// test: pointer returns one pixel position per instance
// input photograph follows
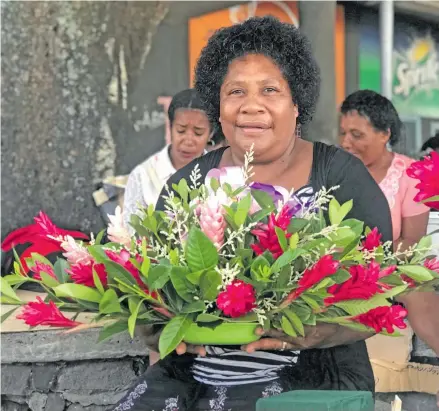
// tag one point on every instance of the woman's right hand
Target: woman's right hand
(184, 348)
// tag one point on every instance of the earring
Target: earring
(298, 131)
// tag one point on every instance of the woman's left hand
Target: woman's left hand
(322, 335)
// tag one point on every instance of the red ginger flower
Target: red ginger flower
(381, 318)
(362, 285)
(410, 282)
(427, 172)
(238, 299)
(83, 274)
(39, 268)
(372, 240)
(266, 233)
(123, 259)
(432, 264)
(39, 313)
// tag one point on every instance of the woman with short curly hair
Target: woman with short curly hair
(369, 123)
(259, 81)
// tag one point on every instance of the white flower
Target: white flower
(117, 231)
(75, 253)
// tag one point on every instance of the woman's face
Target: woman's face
(190, 133)
(360, 138)
(256, 107)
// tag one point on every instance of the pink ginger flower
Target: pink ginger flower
(75, 253)
(116, 231)
(211, 215)
(39, 268)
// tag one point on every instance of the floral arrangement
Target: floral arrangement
(427, 172)
(222, 259)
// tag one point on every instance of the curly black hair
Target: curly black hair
(281, 42)
(378, 109)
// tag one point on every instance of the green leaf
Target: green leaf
(195, 307)
(357, 307)
(311, 302)
(260, 268)
(78, 291)
(194, 278)
(243, 209)
(263, 199)
(116, 271)
(261, 214)
(210, 283)
(282, 238)
(295, 321)
(345, 209)
(416, 272)
(287, 258)
(214, 184)
(48, 280)
(97, 282)
(146, 264)
(297, 224)
(99, 237)
(434, 198)
(302, 311)
(98, 253)
(158, 276)
(183, 190)
(287, 327)
(311, 320)
(133, 319)
(201, 254)
(14, 279)
(355, 225)
(338, 212)
(208, 318)
(395, 291)
(173, 334)
(341, 276)
(7, 314)
(294, 240)
(60, 268)
(182, 285)
(110, 303)
(7, 290)
(40, 258)
(112, 329)
(325, 283)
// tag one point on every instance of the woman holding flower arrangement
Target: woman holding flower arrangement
(264, 265)
(259, 81)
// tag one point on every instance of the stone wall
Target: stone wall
(44, 370)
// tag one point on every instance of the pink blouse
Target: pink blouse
(400, 190)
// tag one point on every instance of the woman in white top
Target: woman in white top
(190, 132)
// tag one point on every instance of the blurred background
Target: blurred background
(86, 85)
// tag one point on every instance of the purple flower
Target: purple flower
(278, 194)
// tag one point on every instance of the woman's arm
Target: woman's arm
(412, 230)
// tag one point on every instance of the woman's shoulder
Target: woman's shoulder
(331, 162)
(402, 159)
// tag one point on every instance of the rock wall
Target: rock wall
(45, 371)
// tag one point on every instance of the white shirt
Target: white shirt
(145, 183)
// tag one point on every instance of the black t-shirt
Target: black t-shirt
(343, 367)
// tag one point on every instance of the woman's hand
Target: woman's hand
(322, 335)
(184, 348)
(151, 336)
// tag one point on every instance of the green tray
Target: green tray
(318, 401)
(233, 333)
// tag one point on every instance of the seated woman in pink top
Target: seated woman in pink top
(368, 124)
